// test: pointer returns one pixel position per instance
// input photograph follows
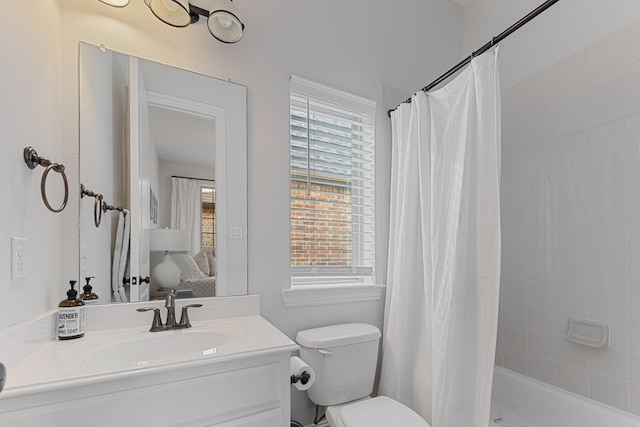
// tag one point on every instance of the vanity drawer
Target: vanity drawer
(248, 393)
(228, 396)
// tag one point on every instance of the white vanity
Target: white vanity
(230, 369)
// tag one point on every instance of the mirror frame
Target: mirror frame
(229, 109)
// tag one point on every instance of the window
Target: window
(332, 185)
(208, 217)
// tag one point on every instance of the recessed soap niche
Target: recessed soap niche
(590, 333)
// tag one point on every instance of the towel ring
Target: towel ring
(32, 159)
(97, 203)
(97, 210)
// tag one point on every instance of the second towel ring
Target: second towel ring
(97, 203)
(32, 159)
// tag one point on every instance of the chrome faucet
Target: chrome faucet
(170, 305)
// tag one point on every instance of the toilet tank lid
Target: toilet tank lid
(337, 335)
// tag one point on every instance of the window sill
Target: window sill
(309, 295)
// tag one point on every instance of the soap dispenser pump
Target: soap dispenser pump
(88, 297)
(71, 315)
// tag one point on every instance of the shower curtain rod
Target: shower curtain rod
(190, 177)
(497, 39)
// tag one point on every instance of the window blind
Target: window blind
(332, 177)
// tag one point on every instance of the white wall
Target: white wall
(30, 105)
(570, 201)
(354, 50)
(571, 221)
(359, 46)
(565, 28)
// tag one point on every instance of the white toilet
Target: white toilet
(344, 358)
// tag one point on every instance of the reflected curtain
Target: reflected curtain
(441, 311)
(186, 209)
(121, 257)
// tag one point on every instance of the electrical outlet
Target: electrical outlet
(18, 258)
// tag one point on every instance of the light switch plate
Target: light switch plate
(236, 233)
(84, 253)
(18, 258)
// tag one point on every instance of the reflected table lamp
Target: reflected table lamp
(167, 274)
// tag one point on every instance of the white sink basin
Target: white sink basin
(143, 348)
(160, 345)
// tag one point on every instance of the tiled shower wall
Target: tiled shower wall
(571, 221)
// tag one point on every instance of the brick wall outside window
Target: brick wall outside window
(208, 225)
(320, 237)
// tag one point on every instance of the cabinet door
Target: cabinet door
(253, 392)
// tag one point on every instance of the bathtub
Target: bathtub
(520, 401)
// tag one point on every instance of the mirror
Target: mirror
(160, 147)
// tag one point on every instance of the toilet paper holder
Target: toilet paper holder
(304, 378)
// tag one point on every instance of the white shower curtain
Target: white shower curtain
(441, 310)
(185, 209)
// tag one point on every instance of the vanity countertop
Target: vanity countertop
(121, 352)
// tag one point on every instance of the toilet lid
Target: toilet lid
(380, 412)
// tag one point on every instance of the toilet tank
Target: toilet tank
(344, 358)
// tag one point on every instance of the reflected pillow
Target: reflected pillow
(188, 266)
(212, 263)
(202, 261)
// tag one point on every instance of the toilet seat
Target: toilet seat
(377, 412)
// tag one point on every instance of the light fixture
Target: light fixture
(172, 12)
(222, 16)
(223, 22)
(167, 274)
(116, 3)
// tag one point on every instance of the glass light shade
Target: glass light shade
(224, 23)
(172, 12)
(166, 239)
(116, 3)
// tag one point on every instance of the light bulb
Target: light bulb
(171, 5)
(225, 21)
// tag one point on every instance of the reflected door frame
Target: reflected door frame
(217, 114)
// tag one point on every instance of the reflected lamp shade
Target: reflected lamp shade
(167, 274)
(116, 3)
(172, 12)
(223, 22)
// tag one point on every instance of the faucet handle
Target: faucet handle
(184, 318)
(156, 324)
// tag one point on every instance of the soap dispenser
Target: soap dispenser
(71, 315)
(88, 297)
